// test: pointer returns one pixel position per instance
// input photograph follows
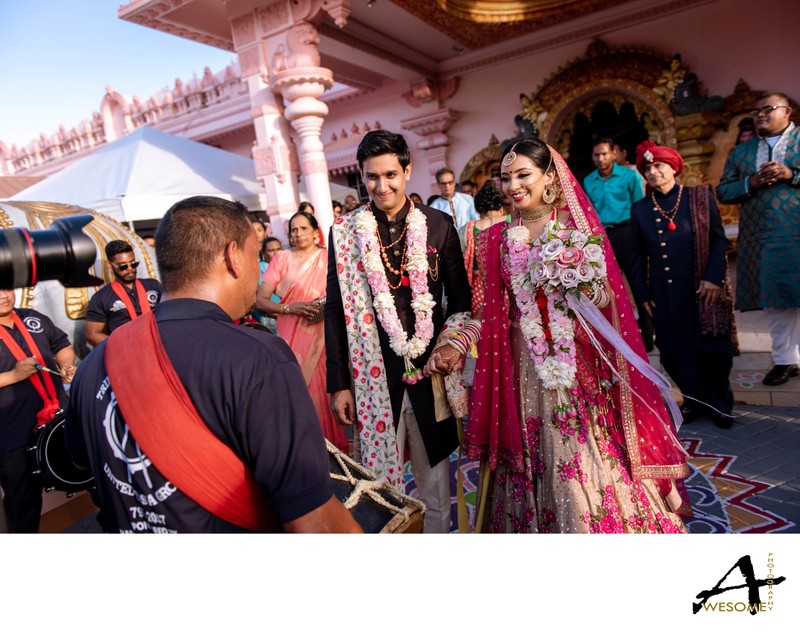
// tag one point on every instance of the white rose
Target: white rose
(585, 272)
(539, 274)
(553, 271)
(578, 239)
(569, 277)
(593, 252)
(552, 249)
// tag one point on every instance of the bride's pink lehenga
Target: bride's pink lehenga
(611, 467)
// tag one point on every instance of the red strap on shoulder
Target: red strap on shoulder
(43, 383)
(123, 295)
(165, 423)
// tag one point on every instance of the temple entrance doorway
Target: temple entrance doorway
(623, 123)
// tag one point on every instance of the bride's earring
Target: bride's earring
(549, 194)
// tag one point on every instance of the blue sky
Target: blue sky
(57, 56)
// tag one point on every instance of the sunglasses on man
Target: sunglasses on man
(124, 266)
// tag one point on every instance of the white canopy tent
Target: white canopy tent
(141, 175)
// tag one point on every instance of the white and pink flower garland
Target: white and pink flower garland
(560, 260)
(422, 301)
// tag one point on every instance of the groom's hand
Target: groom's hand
(344, 407)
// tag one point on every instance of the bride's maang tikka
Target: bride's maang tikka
(510, 157)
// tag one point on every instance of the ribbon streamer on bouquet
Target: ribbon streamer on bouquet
(586, 311)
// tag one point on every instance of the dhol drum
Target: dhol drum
(376, 505)
(53, 462)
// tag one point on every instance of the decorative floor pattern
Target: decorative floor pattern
(720, 500)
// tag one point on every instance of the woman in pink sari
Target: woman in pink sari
(571, 434)
(298, 276)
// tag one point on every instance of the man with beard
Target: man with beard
(122, 300)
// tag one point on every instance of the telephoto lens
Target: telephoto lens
(62, 253)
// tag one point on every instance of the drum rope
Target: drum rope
(363, 486)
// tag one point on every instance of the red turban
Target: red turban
(648, 152)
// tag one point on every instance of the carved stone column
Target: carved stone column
(306, 113)
(274, 153)
(277, 48)
(433, 128)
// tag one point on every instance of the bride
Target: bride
(570, 434)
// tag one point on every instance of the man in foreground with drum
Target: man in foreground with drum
(191, 423)
(35, 356)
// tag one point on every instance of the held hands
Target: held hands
(445, 359)
(769, 174)
(709, 293)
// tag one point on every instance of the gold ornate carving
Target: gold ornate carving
(616, 74)
(76, 302)
(477, 23)
(669, 79)
(481, 162)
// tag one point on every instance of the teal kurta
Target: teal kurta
(768, 257)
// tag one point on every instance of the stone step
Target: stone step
(749, 370)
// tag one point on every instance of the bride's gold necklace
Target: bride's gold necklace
(535, 214)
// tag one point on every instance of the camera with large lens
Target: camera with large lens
(63, 253)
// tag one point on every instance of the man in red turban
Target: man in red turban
(648, 152)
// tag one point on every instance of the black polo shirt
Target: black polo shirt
(248, 388)
(20, 402)
(106, 307)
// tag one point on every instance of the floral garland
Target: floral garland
(559, 260)
(422, 302)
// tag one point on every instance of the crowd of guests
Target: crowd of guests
(375, 322)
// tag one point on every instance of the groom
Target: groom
(388, 267)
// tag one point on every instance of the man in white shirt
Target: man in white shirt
(459, 206)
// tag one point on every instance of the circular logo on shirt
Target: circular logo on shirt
(121, 442)
(152, 297)
(33, 324)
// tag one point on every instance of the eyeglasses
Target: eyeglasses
(124, 266)
(446, 183)
(766, 110)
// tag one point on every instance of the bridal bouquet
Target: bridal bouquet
(560, 260)
(566, 258)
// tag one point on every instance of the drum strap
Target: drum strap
(174, 437)
(141, 294)
(42, 382)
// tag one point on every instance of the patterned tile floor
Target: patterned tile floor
(729, 492)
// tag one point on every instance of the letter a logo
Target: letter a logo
(752, 584)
